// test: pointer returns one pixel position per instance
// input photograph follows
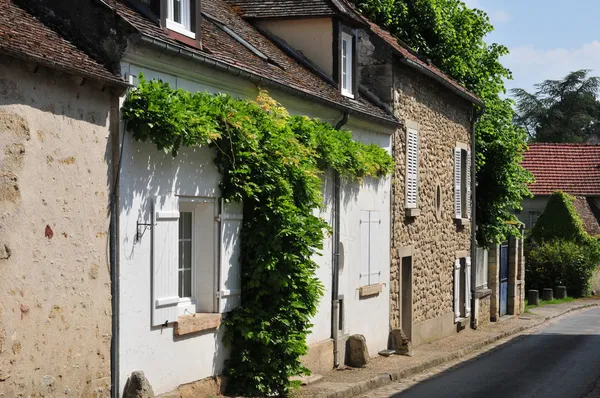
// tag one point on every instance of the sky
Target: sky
(547, 39)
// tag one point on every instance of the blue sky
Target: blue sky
(547, 38)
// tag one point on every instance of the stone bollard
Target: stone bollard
(548, 295)
(357, 353)
(561, 292)
(533, 297)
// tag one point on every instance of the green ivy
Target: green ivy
(273, 163)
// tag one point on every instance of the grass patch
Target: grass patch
(542, 303)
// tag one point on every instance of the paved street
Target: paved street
(562, 360)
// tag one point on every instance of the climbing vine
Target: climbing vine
(272, 162)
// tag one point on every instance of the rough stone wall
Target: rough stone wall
(444, 120)
(55, 302)
(483, 317)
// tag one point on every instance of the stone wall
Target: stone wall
(483, 316)
(443, 119)
(55, 302)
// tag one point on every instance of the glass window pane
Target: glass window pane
(177, 11)
(344, 64)
(187, 285)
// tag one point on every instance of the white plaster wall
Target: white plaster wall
(313, 37)
(167, 361)
(535, 204)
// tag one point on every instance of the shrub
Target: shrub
(559, 220)
(561, 263)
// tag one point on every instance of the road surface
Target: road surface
(562, 360)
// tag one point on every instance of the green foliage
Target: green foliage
(559, 220)
(272, 162)
(560, 263)
(564, 110)
(453, 37)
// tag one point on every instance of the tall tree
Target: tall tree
(453, 37)
(564, 110)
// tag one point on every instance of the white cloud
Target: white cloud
(531, 65)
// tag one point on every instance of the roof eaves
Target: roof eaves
(164, 46)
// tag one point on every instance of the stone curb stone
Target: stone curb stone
(386, 378)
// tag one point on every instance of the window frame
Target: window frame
(412, 209)
(465, 182)
(186, 17)
(347, 64)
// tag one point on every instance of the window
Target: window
(462, 288)
(195, 257)
(180, 14)
(412, 168)
(370, 236)
(462, 183)
(533, 216)
(347, 65)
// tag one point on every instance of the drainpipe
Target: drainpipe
(117, 152)
(473, 171)
(335, 302)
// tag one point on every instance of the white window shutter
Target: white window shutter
(457, 290)
(467, 287)
(230, 272)
(365, 255)
(374, 248)
(165, 258)
(457, 183)
(412, 168)
(469, 203)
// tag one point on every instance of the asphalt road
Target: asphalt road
(562, 360)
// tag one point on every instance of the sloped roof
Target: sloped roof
(23, 36)
(572, 168)
(221, 47)
(588, 211)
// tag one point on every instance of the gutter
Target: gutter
(335, 294)
(182, 52)
(441, 80)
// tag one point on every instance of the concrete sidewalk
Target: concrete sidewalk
(381, 371)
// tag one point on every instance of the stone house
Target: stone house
(433, 255)
(56, 180)
(207, 46)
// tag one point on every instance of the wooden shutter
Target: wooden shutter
(365, 255)
(467, 287)
(457, 183)
(374, 247)
(468, 185)
(457, 290)
(165, 258)
(230, 282)
(412, 168)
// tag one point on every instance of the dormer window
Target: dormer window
(347, 65)
(180, 17)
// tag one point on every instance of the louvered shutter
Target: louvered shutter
(468, 185)
(365, 255)
(457, 290)
(457, 183)
(467, 287)
(230, 283)
(412, 168)
(165, 258)
(374, 248)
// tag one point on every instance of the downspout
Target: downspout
(335, 302)
(117, 148)
(473, 171)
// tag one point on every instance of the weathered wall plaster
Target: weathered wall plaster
(55, 303)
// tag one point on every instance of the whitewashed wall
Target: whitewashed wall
(169, 361)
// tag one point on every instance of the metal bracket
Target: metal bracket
(141, 230)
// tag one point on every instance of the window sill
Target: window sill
(348, 94)
(463, 221)
(189, 324)
(412, 213)
(482, 293)
(179, 28)
(370, 290)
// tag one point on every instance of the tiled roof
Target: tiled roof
(409, 55)
(285, 8)
(572, 168)
(23, 36)
(588, 211)
(222, 47)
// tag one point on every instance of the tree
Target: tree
(564, 110)
(453, 37)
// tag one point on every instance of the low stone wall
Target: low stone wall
(483, 315)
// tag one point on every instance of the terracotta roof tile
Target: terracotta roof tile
(220, 46)
(285, 8)
(588, 211)
(572, 168)
(23, 36)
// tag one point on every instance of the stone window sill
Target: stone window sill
(482, 293)
(463, 221)
(412, 213)
(370, 290)
(189, 324)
